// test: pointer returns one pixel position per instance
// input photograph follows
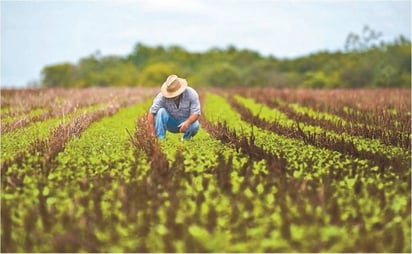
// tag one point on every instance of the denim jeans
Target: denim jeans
(164, 121)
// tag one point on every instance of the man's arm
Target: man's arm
(194, 110)
(157, 104)
(192, 118)
(150, 123)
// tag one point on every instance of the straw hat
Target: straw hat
(173, 86)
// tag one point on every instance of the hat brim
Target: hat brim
(165, 93)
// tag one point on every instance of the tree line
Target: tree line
(364, 62)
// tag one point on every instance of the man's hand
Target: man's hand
(183, 126)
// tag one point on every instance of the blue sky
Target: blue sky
(39, 33)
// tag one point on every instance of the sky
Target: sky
(35, 34)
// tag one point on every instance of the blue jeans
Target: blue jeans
(164, 121)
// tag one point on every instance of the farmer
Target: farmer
(176, 109)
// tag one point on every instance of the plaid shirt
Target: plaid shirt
(189, 104)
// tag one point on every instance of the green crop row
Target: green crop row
(336, 119)
(376, 109)
(386, 122)
(8, 119)
(312, 113)
(210, 179)
(20, 139)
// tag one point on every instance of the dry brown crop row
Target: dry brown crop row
(59, 102)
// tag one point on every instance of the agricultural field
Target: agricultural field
(271, 170)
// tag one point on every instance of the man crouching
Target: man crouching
(176, 109)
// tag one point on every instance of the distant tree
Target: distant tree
(320, 79)
(155, 74)
(357, 73)
(361, 42)
(140, 55)
(120, 74)
(365, 62)
(370, 62)
(222, 74)
(57, 75)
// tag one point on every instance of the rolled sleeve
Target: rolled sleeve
(158, 103)
(194, 104)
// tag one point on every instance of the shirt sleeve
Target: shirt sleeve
(194, 103)
(158, 103)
